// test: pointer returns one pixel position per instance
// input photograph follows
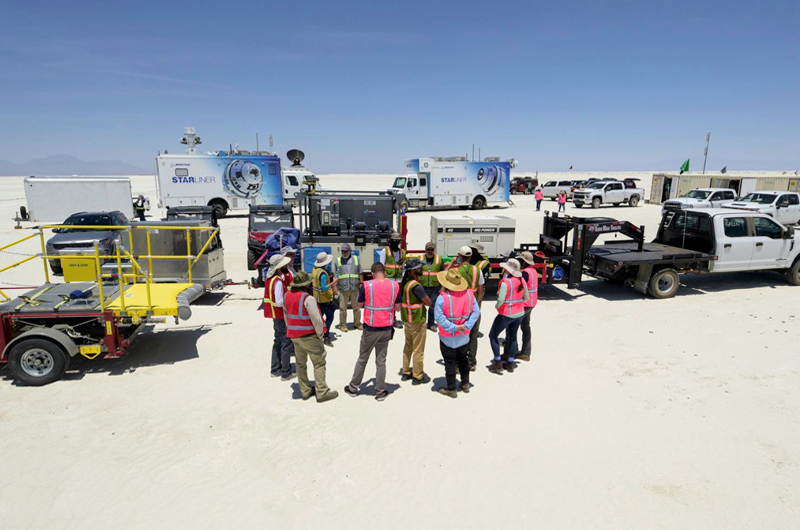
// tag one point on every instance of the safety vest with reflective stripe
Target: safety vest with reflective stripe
(456, 307)
(533, 287)
(394, 270)
(562, 199)
(288, 278)
(429, 278)
(538, 195)
(411, 308)
(270, 309)
(470, 273)
(347, 273)
(322, 296)
(298, 322)
(513, 303)
(483, 265)
(379, 297)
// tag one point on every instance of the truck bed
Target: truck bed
(626, 252)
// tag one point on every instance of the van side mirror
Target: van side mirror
(788, 233)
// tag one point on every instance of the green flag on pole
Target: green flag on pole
(685, 167)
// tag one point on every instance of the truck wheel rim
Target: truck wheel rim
(37, 362)
(665, 283)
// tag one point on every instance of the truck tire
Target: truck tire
(664, 284)
(793, 273)
(251, 260)
(478, 203)
(596, 203)
(37, 361)
(55, 266)
(578, 205)
(220, 207)
(633, 201)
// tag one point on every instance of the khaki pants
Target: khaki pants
(306, 348)
(414, 347)
(352, 297)
(378, 341)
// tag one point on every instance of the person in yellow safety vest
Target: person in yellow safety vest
(324, 293)
(349, 276)
(392, 258)
(414, 316)
(475, 280)
(431, 265)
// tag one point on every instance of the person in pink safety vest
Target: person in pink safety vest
(511, 298)
(530, 278)
(538, 195)
(456, 312)
(380, 298)
(562, 201)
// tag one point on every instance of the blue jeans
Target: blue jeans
(433, 293)
(538, 204)
(562, 207)
(328, 309)
(282, 349)
(511, 326)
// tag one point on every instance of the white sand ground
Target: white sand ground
(634, 413)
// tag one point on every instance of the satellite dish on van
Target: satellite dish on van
(296, 156)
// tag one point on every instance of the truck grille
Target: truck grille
(672, 206)
(61, 246)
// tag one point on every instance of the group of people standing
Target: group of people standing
(427, 294)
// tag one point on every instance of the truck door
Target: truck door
(771, 250)
(424, 185)
(614, 193)
(291, 185)
(412, 188)
(718, 198)
(734, 244)
(787, 211)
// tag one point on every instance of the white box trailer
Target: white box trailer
(53, 199)
(455, 182)
(495, 232)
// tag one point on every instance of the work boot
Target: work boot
(288, 377)
(332, 394)
(509, 367)
(524, 357)
(327, 342)
(473, 367)
(496, 367)
(448, 393)
(274, 375)
(359, 327)
(405, 377)
(382, 396)
(424, 380)
(343, 328)
(465, 388)
(309, 396)
(350, 392)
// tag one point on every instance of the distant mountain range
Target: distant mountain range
(69, 165)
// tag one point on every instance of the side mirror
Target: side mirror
(788, 233)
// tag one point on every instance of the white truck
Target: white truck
(701, 198)
(53, 199)
(455, 182)
(228, 180)
(781, 205)
(608, 192)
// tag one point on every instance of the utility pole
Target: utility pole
(708, 141)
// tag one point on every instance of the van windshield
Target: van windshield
(697, 194)
(759, 198)
(399, 182)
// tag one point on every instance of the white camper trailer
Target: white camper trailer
(53, 199)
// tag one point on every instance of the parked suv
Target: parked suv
(782, 205)
(701, 198)
(81, 239)
(551, 189)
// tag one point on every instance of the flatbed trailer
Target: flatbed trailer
(632, 261)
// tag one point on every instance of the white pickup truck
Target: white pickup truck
(614, 192)
(782, 205)
(701, 198)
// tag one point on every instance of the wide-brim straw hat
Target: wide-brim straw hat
(527, 257)
(323, 258)
(512, 267)
(451, 280)
(276, 264)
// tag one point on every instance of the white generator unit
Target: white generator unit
(53, 199)
(495, 232)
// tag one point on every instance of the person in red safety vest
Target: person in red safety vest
(511, 298)
(305, 327)
(380, 298)
(530, 277)
(274, 295)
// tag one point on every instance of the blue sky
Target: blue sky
(361, 86)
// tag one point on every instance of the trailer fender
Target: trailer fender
(52, 335)
(643, 278)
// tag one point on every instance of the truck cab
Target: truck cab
(701, 198)
(781, 205)
(414, 186)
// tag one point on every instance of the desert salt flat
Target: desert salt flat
(633, 413)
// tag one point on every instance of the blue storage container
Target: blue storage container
(310, 256)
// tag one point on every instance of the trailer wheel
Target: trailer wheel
(37, 362)
(478, 203)
(596, 203)
(793, 273)
(23, 213)
(220, 207)
(664, 284)
(251, 260)
(633, 201)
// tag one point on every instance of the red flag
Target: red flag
(570, 168)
